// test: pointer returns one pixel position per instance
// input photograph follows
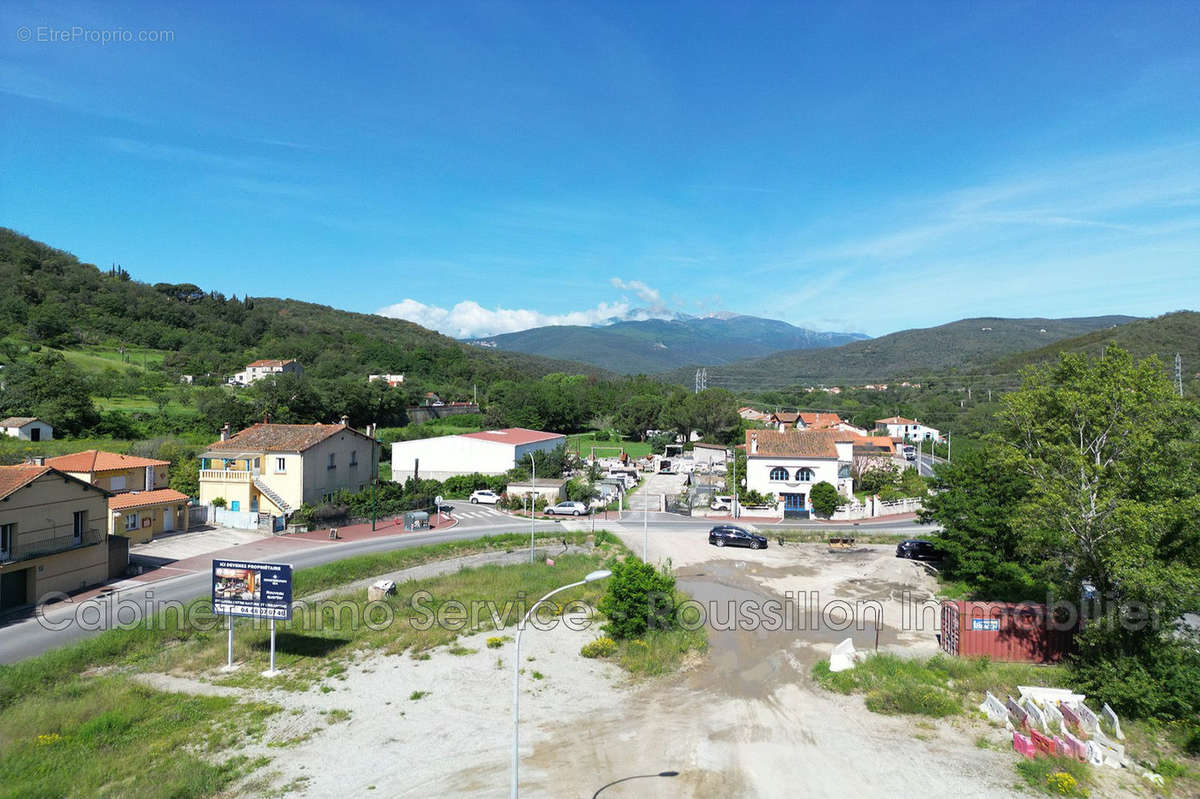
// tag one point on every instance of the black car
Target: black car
(730, 535)
(915, 549)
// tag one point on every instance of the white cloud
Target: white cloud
(469, 319)
(644, 292)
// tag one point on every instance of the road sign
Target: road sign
(438, 501)
(255, 590)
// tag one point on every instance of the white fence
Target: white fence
(874, 508)
(242, 520)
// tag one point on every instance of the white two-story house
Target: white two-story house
(265, 368)
(789, 463)
(276, 468)
(907, 429)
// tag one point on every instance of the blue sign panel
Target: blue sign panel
(256, 590)
(985, 624)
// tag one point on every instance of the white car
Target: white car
(485, 497)
(721, 503)
(567, 509)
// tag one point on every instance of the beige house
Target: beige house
(276, 468)
(143, 505)
(53, 534)
(265, 368)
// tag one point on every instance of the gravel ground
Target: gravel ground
(744, 720)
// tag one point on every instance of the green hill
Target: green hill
(658, 345)
(961, 346)
(1164, 336)
(52, 300)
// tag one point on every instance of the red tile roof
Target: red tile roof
(785, 417)
(895, 420)
(820, 420)
(881, 443)
(15, 477)
(280, 437)
(142, 499)
(271, 362)
(97, 460)
(514, 435)
(795, 443)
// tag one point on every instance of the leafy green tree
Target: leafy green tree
(975, 500)
(825, 499)
(639, 414)
(49, 387)
(1111, 455)
(638, 598)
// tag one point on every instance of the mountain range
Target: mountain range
(962, 346)
(658, 345)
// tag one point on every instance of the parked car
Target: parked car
(721, 503)
(731, 535)
(567, 509)
(915, 549)
(485, 497)
(910, 453)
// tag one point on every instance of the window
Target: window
(131, 521)
(332, 464)
(804, 475)
(116, 483)
(79, 524)
(280, 465)
(353, 458)
(779, 473)
(7, 533)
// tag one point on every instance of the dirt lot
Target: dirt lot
(745, 720)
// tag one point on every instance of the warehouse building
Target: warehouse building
(487, 452)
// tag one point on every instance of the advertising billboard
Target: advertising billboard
(256, 590)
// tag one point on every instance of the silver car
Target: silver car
(567, 509)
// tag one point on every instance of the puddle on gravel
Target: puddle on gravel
(757, 637)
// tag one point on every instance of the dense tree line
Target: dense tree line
(1088, 494)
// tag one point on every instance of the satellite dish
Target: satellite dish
(437, 500)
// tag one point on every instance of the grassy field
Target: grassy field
(97, 359)
(74, 723)
(145, 405)
(15, 451)
(585, 441)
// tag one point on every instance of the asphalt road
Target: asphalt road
(69, 621)
(66, 622)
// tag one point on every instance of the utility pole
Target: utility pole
(474, 394)
(532, 504)
(1179, 373)
(735, 484)
(947, 446)
(375, 478)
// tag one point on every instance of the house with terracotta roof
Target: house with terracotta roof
(752, 415)
(487, 452)
(266, 367)
(783, 420)
(276, 468)
(26, 428)
(789, 463)
(142, 506)
(818, 421)
(907, 429)
(53, 534)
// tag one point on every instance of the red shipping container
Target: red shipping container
(1005, 631)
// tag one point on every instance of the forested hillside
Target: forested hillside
(51, 299)
(658, 345)
(909, 354)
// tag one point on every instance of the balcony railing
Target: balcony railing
(22, 550)
(226, 475)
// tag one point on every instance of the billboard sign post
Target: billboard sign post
(252, 590)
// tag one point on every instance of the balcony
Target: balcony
(24, 550)
(226, 476)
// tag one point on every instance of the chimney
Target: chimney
(225, 432)
(754, 443)
(345, 420)
(39, 460)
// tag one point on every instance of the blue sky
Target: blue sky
(481, 167)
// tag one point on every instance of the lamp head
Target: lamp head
(597, 575)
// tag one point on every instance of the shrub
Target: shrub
(825, 499)
(219, 502)
(497, 641)
(638, 598)
(600, 648)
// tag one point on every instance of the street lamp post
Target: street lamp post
(592, 577)
(532, 503)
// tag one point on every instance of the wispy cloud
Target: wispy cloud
(156, 151)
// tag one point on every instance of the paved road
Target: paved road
(66, 622)
(70, 621)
